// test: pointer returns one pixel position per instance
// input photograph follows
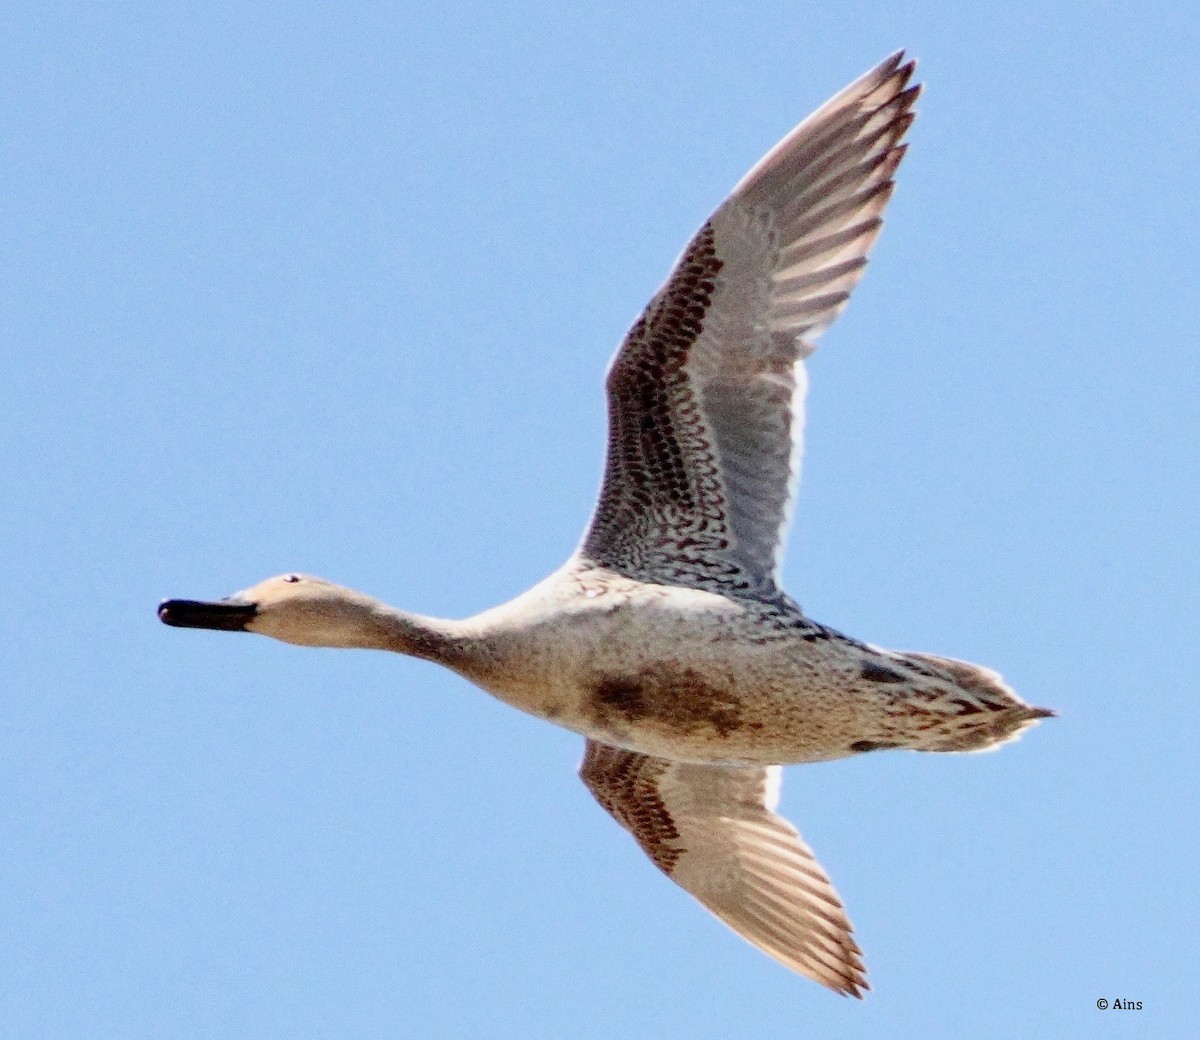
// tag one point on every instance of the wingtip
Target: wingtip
(902, 74)
(856, 987)
(895, 62)
(908, 96)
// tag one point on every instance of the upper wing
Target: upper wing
(711, 829)
(706, 394)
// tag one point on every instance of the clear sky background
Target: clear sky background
(332, 288)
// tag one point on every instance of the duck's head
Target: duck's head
(295, 608)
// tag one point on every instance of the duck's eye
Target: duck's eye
(291, 579)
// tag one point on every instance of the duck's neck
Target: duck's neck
(434, 639)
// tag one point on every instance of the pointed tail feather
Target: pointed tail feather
(987, 714)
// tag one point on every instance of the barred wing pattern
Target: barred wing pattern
(706, 393)
(712, 830)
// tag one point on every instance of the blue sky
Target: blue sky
(333, 288)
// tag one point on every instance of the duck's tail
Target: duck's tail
(979, 712)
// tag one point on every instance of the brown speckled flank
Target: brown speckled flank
(666, 639)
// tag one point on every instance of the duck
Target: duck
(666, 640)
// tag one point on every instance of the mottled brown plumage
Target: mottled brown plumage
(666, 640)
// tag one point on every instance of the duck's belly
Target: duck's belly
(699, 689)
(704, 712)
